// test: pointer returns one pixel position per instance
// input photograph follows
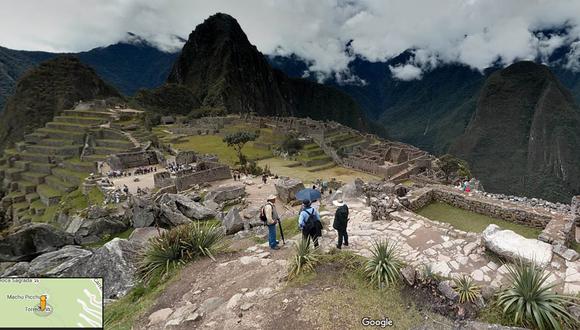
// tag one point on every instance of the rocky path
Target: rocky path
(448, 252)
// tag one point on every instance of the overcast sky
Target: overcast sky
(475, 32)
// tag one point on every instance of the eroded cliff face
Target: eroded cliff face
(525, 135)
(224, 70)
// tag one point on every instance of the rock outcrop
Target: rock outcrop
(510, 245)
(286, 189)
(232, 221)
(226, 193)
(31, 241)
(57, 263)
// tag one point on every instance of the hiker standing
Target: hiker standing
(309, 222)
(270, 214)
(264, 178)
(341, 222)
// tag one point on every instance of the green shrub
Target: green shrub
(466, 288)
(384, 266)
(174, 248)
(304, 259)
(530, 301)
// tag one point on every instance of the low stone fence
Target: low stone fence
(213, 172)
(557, 228)
(126, 160)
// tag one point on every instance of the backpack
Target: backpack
(263, 217)
(309, 224)
(340, 218)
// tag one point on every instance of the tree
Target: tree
(237, 140)
(452, 165)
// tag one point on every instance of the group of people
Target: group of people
(308, 221)
(173, 167)
(138, 171)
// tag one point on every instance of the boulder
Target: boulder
(19, 269)
(171, 217)
(233, 222)
(57, 263)
(409, 275)
(32, 241)
(94, 230)
(142, 236)
(115, 262)
(186, 206)
(143, 212)
(508, 244)
(286, 189)
(447, 290)
(226, 193)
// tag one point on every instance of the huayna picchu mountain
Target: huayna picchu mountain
(224, 70)
(524, 137)
(45, 91)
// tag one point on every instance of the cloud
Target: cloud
(406, 72)
(477, 33)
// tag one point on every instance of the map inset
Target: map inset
(51, 302)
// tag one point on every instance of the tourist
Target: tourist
(126, 189)
(340, 223)
(271, 215)
(264, 178)
(309, 222)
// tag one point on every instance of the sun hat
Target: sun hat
(271, 197)
(338, 203)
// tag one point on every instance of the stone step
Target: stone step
(21, 164)
(88, 113)
(48, 195)
(15, 197)
(37, 208)
(55, 142)
(113, 143)
(108, 134)
(32, 197)
(42, 158)
(78, 166)
(34, 177)
(13, 174)
(77, 137)
(322, 167)
(80, 120)
(52, 150)
(35, 137)
(19, 207)
(26, 187)
(94, 158)
(314, 153)
(107, 151)
(59, 185)
(70, 127)
(68, 176)
(45, 168)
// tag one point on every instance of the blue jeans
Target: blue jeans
(272, 236)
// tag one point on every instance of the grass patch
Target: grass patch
(471, 221)
(351, 298)
(48, 216)
(290, 228)
(76, 200)
(107, 238)
(122, 313)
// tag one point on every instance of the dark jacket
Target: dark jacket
(341, 218)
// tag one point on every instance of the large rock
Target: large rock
(508, 244)
(286, 189)
(144, 212)
(233, 222)
(31, 241)
(19, 270)
(115, 262)
(94, 230)
(226, 193)
(170, 216)
(193, 210)
(57, 263)
(142, 236)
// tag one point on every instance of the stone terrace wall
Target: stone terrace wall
(575, 209)
(126, 160)
(214, 172)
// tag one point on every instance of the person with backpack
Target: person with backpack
(309, 222)
(269, 216)
(340, 223)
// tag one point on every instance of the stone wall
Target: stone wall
(121, 161)
(213, 172)
(575, 209)
(185, 157)
(163, 179)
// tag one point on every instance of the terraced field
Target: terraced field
(47, 166)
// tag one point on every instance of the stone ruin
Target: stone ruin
(122, 161)
(201, 172)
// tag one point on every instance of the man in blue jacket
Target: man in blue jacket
(309, 222)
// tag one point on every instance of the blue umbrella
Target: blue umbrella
(309, 194)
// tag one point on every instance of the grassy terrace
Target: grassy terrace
(471, 221)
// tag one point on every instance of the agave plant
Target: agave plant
(163, 254)
(304, 259)
(202, 240)
(530, 300)
(384, 266)
(466, 288)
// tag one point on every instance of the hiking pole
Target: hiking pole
(281, 232)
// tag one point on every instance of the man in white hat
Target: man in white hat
(272, 219)
(341, 222)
